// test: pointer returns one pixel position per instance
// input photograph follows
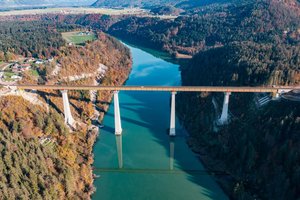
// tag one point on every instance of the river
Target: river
(145, 163)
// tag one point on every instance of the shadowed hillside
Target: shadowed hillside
(260, 146)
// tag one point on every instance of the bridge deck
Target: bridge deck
(158, 88)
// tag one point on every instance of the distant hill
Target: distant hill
(134, 3)
(145, 3)
(36, 3)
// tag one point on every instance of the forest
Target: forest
(259, 148)
(36, 39)
(258, 151)
(30, 170)
(245, 63)
(216, 26)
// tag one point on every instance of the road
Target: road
(281, 89)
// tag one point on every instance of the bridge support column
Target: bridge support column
(67, 110)
(275, 95)
(118, 126)
(224, 116)
(173, 118)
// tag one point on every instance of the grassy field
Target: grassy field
(77, 39)
(34, 73)
(8, 75)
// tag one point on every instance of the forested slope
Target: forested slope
(30, 38)
(213, 27)
(35, 171)
(259, 149)
(42, 158)
(245, 63)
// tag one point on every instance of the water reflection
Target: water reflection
(120, 150)
(172, 146)
(119, 143)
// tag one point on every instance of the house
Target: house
(46, 140)
(16, 78)
(25, 67)
(39, 61)
(28, 60)
(17, 68)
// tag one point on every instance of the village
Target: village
(13, 71)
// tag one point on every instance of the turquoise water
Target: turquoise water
(145, 163)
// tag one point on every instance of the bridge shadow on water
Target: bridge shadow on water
(196, 174)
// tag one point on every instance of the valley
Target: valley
(237, 43)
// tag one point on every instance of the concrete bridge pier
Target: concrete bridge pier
(118, 126)
(275, 95)
(224, 116)
(67, 110)
(173, 118)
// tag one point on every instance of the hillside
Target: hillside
(41, 157)
(30, 169)
(216, 26)
(259, 149)
(245, 63)
(16, 38)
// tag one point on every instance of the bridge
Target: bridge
(276, 91)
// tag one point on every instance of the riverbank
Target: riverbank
(167, 56)
(115, 67)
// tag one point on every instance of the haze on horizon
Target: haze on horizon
(35, 3)
(19, 4)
